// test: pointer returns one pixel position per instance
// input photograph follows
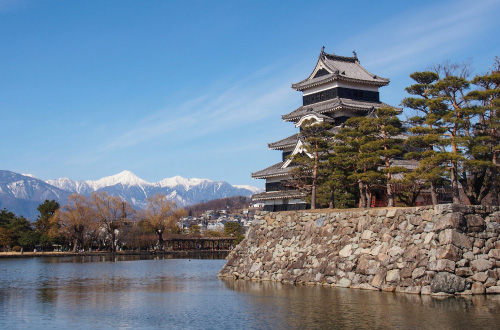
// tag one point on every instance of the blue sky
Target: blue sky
(197, 88)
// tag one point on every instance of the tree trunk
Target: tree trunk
(454, 183)
(433, 194)
(368, 194)
(160, 239)
(494, 181)
(331, 204)
(390, 196)
(75, 244)
(314, 182)
(362, 195)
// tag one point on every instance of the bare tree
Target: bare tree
(75, 220)
(161, 215)
(110, 212)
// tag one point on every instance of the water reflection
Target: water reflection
(134, 292)
(316, 307)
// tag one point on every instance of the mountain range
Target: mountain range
(22, 193)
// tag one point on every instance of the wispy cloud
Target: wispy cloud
(253, 98)
(430, 31)
(9, 6)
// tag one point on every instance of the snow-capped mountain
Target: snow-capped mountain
(126, 185)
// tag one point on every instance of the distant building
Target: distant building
(337, 89)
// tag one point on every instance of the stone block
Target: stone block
(418, 272)
(366, 286)
(449, 251)
(443, 208)
(344, 283)
(367, 234)
(392, 275)
(428, 237)
(391, 213)
(475, 223)
(493, 290)
(427, 215)
(346, 251)
(450, 236)
(479, 277)
(494, 253)
(448, 283)
(480, 265)
(477, 288)
(379, 278)
(449, 221)
(442, 265)
(412, 289)
(389, 287)
(464, 271)
(425, 290)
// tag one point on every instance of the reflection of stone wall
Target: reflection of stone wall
(447, 248)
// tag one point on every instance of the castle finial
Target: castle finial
(323, 49)
(354, 53)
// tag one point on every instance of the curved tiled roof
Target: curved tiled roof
(290, 141)
(332, 105)
(278, 195)
(340, 68)
(271, 171)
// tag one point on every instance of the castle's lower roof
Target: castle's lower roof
(278, 195)
(290, 141)
(335, 104)
(271, 171)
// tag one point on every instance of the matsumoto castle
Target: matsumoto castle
(338, 88)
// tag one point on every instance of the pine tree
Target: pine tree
(315, 145)
(487, 128)
(359, 161)
(386, 145)
(424, 142)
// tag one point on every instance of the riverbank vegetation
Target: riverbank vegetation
(99, 222)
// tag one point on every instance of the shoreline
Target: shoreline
(4, 255)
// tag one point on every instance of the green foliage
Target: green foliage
(12, 228)
(29, 239)
(47, 210)
(234, 229)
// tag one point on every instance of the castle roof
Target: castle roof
(278, 195)
(271, 171)
(290, 141)
(332, 67)
(332, 105)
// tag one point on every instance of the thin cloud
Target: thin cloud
(432, 31)
(10, 6)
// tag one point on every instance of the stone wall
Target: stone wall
(446, 249)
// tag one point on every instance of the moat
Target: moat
(153, 292)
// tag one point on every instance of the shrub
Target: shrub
(16, 249)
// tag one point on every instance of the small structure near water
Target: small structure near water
(440, 250)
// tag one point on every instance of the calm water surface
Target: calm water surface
(140, 293)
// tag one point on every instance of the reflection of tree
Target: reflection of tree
(47, 291)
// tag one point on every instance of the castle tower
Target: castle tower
(337, 89)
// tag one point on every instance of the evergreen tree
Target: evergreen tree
(487, 127)
(305, 175)
(424, 142)
(360, 163)
(386, 145)
(44, 226)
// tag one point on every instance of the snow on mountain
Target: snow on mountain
(180, 181)
(253, 189)
(126, 178)
(136, 190)
(23, 193)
